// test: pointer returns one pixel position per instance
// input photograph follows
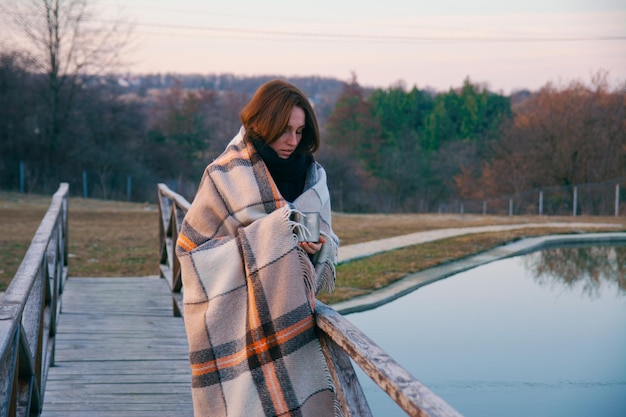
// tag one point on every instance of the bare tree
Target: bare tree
(70, 43)
(559, 136)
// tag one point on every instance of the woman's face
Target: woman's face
(287, 143)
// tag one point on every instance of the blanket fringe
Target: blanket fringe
(338, 408)
(309, 276)
(326, 280)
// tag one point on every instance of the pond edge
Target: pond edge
(416, 280)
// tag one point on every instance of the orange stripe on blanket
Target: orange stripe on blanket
(282, 336)
(274, 389)
(259, 346)
(185, 243)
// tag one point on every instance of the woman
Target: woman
(249, 282)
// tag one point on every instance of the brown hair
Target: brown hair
(267, 114)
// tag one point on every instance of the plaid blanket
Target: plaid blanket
(249, 292)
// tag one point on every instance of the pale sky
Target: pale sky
(505, 44)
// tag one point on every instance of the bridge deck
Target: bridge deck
(119, 352)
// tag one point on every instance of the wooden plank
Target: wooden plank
(349, 390)
(119, 352)
(25, 314)
(411, 395)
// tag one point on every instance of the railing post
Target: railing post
(172, 209)
(349, 391)
(340, 340)
(410, 394)
(28, 314)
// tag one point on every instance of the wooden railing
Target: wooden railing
(341, 340)
(29, 311)
(172, 209)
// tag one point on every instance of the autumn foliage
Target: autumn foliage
(557, 137)
(419, 150)
(384, 150)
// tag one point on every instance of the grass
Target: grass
(106, 238)
(121, 239)
(355, 228)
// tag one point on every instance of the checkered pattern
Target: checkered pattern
(249, 292)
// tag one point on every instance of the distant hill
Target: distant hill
(313, 86)
(321, 91)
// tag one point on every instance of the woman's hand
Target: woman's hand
(311, 247)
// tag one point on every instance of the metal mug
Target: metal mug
(310, 220)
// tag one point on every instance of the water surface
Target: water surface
(538, 335)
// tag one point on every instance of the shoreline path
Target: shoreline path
(413, 281)
(365, 249)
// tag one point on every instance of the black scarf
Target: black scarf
(288, 174)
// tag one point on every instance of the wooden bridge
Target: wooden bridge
(96, 347)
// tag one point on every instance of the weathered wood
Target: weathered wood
(340, 340)
(28, 313)
(349, 390)
(178, 199)
(411, 395)
(172, 209)
(119, 352)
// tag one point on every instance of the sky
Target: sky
(505, 45)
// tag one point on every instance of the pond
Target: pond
(540, 335)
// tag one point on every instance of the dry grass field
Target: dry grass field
(121, 239)
(106, 238)
(355, 228)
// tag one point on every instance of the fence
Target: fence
(29, 312)
(341, 340)
(599, 199)
(592, 199)
(114, 185)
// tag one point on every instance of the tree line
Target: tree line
(385, 150)
(411, 150)
(111, 131)
(65, 116)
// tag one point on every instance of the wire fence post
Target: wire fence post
(484, 207)
(128, 187)
(22, 177)
(575, 199)
(616, 200)
(84, 184)
(540, 203)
